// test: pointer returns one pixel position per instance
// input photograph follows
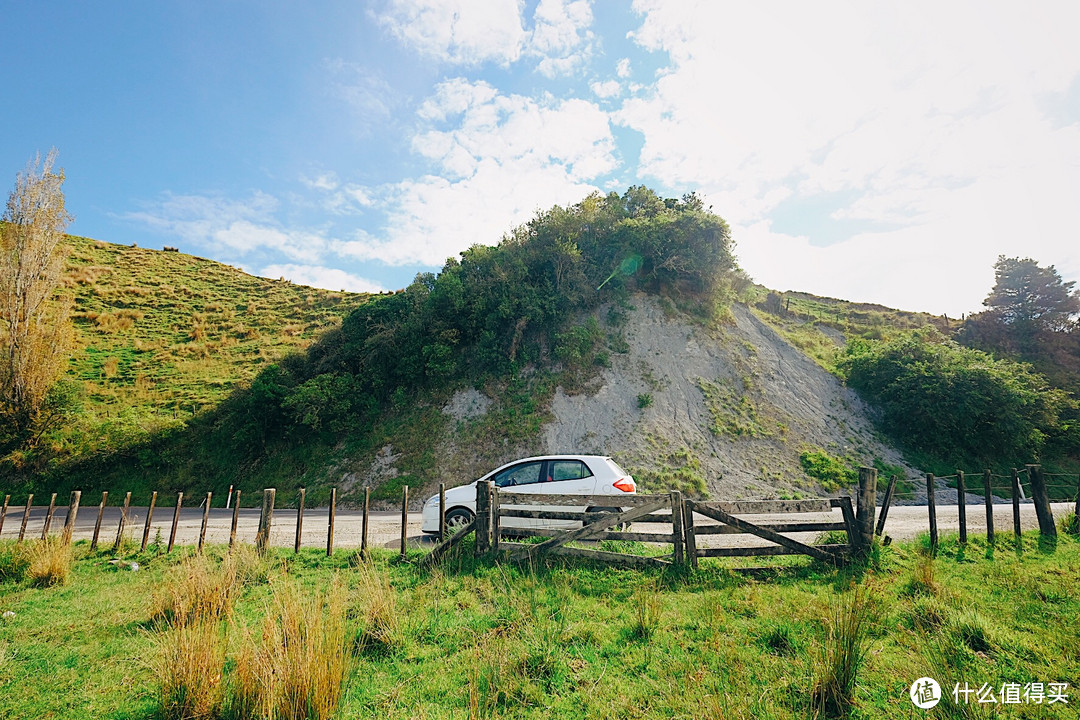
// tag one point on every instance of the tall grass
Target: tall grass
(48, 562)
(296, 669)
(198, 588)
(375, 607)
(189, 664)
(842, 654)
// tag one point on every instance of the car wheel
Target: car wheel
(458, 518)
(621, 527)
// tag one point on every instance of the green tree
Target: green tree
(35, 332)
(1030, 299)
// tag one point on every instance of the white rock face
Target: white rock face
(467, 404)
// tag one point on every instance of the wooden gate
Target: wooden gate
(727, 523)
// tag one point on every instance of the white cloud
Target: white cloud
(502, 158)
(606, 89)
(237, 227)
(459, 31)
(622, 68)
(927, 116)
(471, 32)
(321, 277)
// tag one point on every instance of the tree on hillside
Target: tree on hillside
(35, 335)
(1030, 298)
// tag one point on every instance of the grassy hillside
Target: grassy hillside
(163, 336)
(477, 639)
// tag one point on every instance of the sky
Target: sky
(873, 151)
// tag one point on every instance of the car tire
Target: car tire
(621, 527)
(457, 518)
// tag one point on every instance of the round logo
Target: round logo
(925, 693)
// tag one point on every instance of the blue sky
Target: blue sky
(873, 151)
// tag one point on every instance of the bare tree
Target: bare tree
(35, 332)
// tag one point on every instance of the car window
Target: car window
(569, 470)
(523, 474)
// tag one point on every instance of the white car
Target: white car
(550, 474)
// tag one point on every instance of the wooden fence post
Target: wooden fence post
(266, 519)
(175, 520)
(932, 510)
(1076, 511)
(442, 511)
(235, 518)
(3, 513)
(496, 521)
(1042, 502)
(989, 498)
(364, 525)
(961, 505)
(205, 520)
(885, 503)
(1016, 507)
(49, 516)
(123, 523)
(689, 533)
(149, 519)
(26, 516)
(299, 521)
(97, 525)
(864, 510)
(330, 522)
(483, 516)
(678, 554)
(404, 517)
(72, 513)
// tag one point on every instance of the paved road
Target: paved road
(904, 522)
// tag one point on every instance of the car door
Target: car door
(565, 476)
(522, 477)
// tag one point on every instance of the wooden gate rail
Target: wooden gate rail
(724, 512)
(595, 526)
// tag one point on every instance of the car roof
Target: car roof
(584, 458)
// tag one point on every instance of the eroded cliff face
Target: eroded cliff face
(721, 412)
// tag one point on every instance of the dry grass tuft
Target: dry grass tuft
(189, 663)
(297, 669)
(197, 590)
(376, 610)
(49, 562)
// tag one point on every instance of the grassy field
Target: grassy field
(479, 639)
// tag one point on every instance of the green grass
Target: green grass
(477, 639)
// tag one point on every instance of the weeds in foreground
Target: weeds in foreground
(376, 609)
(297, 668)
(190, 662)
(49, 562)
(842, 654)
(197, 590)
(647, 613)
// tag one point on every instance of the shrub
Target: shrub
(832, 472)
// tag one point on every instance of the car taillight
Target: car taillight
(625, 484)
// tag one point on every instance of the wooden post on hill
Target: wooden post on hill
(299, 520)
(48, 517)
(483, 516)
(3, 513)
(961, 505)
(330, 523)
(149, 519)
(932, 510)
(26, 516)
(235, 518)
(123, 523)
(364, 526)
(205, 521)
(100, 515)
(404, 518)
(1042, 502)
(72, 513)
(266, 519)
(175, 520)
(988, 496)
(864, 510)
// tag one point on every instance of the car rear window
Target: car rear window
(615, 466)
(569, 470)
